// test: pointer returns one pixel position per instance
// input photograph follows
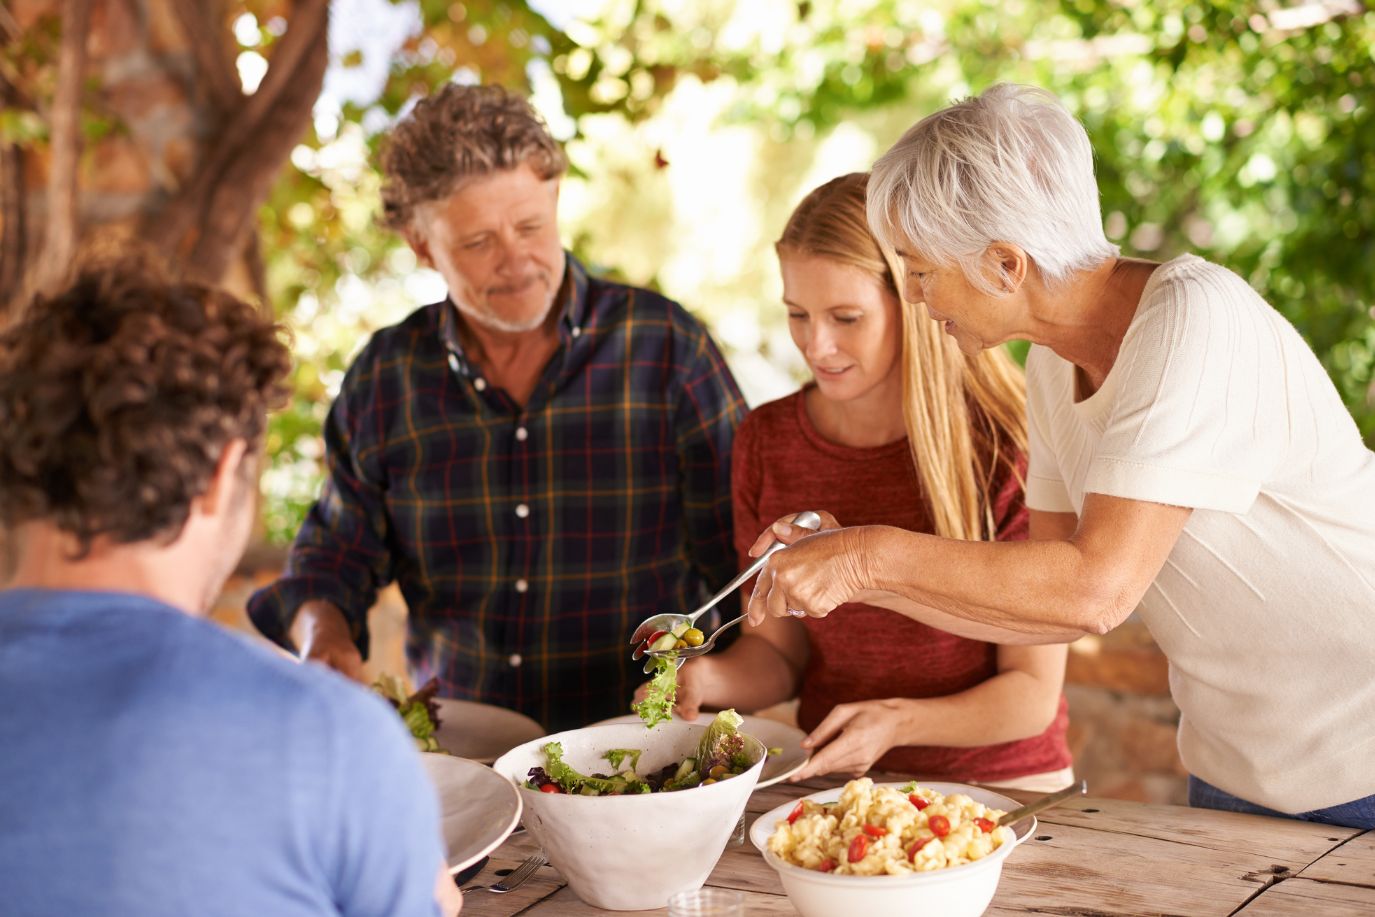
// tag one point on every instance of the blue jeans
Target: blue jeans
(1359, 813)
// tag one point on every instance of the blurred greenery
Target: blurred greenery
(1244, 132)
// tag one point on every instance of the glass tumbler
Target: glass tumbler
(707, 902)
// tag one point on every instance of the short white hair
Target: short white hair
(1011, 165)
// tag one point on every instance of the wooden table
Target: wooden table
(1088, 858)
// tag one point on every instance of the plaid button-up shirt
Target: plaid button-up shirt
(527, 541)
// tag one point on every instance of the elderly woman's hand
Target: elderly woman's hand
(783, 530)
(813, 576)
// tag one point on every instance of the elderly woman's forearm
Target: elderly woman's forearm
(1048, 590)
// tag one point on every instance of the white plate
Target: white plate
(771, 732)
(765, 824)
(478, 807)
(482, 732)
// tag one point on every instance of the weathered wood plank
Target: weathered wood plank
(566, 904)
(1081, 871)
(545, 882)
(1352, 863)
(1306, 898)
(1290, 843)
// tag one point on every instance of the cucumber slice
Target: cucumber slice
(681, 629)
(666, 642)
(687, 766)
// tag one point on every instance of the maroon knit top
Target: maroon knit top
(783, 465)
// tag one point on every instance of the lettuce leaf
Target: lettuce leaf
(657, 706)
(573, 782)
(722, 743)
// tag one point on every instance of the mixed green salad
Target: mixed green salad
(418, 711)
(657, 705)
(721, 754)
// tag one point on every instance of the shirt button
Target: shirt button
(522, 585)
(576, 332)
(522, 510)
(480, 384)
(453, 362)
(522, 434)
(515, 660)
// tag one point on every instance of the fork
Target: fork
(806, 520)
(689, 652)
(509, 884)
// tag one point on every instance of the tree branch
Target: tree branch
(216, 66)
(206, 222)
(63, 227)
(13, 231)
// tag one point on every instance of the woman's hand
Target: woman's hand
(852, 737)
(817, 573)
(693, 676)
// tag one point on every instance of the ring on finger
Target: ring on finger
(797, 612)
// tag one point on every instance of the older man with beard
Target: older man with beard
(540, 461)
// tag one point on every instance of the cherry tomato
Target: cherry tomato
(918, 801)
(795, 814)
(916, 846)
(655, 636)
(827, 865)
(985, 825)
(858, 847)
(875, 831)
(939, 825)
(550, 788)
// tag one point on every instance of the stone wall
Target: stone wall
(1122, 721)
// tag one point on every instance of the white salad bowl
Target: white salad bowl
(632, 852)
(958, 891)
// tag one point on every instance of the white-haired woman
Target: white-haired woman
(1189, 458)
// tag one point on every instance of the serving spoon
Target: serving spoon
(1045, 802)
(668, 621)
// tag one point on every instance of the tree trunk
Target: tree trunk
(192, 158)
(62, 233)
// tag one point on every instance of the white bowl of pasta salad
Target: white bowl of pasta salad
(890, 849)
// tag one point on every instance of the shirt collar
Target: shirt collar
(570, 301)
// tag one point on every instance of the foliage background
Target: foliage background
(1244, 132)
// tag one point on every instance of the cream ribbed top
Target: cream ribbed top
(1266, 605)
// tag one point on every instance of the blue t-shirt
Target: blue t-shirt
(155, 764)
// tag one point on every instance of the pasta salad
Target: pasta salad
(879, 830)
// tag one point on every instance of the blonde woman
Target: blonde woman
(898, 428)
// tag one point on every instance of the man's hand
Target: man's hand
(321, 634)
(852, 737)
(817, 573)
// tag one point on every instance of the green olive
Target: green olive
(693, 637)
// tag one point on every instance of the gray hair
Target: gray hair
(456, 134)
(1011, 165)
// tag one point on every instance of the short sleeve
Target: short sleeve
(1045, 486)
(1198, 413)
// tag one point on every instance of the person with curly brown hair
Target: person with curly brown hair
(540, 461)
(148, 754)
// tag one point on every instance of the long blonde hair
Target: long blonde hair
(965, 416)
